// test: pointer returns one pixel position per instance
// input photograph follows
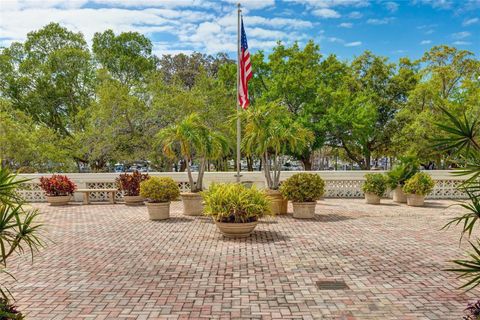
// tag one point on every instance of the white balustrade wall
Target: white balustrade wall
(339, 184)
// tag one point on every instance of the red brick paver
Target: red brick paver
(111, 262)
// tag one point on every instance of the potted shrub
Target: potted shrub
(417, 187)
(374, 187)
(303, 189)
(158, 193)
(399, 174)
(271, 134)
(58, 189)
(235, 208)
(129, 184)
(192, 138)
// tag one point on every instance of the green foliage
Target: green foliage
(231, 202)
(420, 184)
(303, 187)
(157, 189)
(375, 183)
(19, 228)
(469, 269)
(271, 133)
(8, 311)
(190, 138)
(402, 171)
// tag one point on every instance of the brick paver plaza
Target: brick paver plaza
(110, 262)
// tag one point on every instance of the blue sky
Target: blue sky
(345, 27)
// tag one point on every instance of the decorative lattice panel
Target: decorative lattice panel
(343, 189)
(184, 186)
(447, 189)
(32, 192)
(103, 196)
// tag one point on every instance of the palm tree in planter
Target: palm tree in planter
(235, 208)
(417, 187)
(271, 133)
(193, 139)
(159, 192)
(303, 189)
(400, 173)
(374, 187)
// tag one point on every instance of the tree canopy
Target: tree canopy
(66, 106)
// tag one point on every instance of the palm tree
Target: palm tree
(192, 138)
(271, 133)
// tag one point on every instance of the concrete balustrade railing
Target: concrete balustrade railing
(339, 184)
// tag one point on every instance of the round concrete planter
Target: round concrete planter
(58, 200)
(372, 198)
(278, 205)
(415, 200)
(398, 195)
(133, 200)
(158, 210)
(304, 210)
(192, 204)
(236, 230)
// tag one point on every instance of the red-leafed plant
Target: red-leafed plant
(130, 183)
(57, 185)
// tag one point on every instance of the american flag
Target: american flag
(245, 71)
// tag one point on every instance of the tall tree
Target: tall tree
(49, 76)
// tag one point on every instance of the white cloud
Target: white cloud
(462, 43)
(335, 40)
(461, 35)
(391, 6)
(252, 4)
(469, 22)
(355, 15)
(437, 4)
(380, 21)
(326, 13)
(346, 25)
(424, 42)
(332, 3)
(353, 44)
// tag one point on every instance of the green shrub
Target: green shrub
(421, 184)
(26, 169)
(401, 172)
(303, 187)
(232, 202)
(8, 311)
(158, 189)
(375, 183)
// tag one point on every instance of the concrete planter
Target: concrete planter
(304, 210)
(372, 198)
(158, 210)
(58, 200)
(415, 200)
(133, 200)
(398, 195)
(236, 230)
(278, 205)
(192, 204)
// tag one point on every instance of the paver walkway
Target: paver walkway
(111, 262)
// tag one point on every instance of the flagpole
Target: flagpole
(239, 138)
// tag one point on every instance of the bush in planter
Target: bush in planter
(420, 184)
(158, 189)
(159, 192)
(303, 187)
(235, 203)
(375, 183)
(130, 183)
(57, 185)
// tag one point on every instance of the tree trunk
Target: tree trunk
(249, 163)
(307, 161)
(183, 165)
